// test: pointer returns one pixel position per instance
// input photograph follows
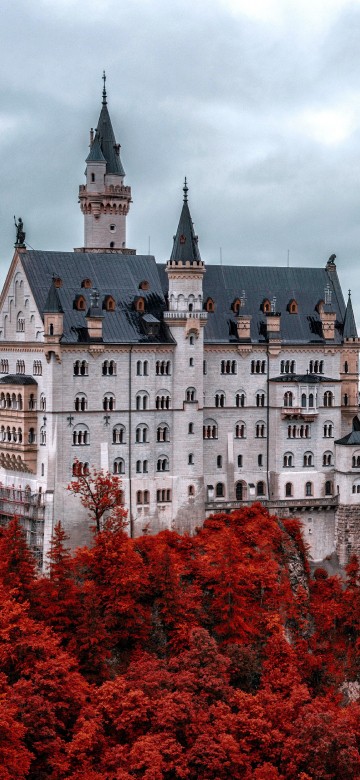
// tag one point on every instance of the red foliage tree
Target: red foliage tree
(101, 494)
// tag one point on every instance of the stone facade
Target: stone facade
(194, 422)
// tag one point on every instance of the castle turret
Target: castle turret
(104, 199)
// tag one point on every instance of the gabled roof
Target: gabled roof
(111, 274)
(350, 330)
(223, 283)
(185, 248)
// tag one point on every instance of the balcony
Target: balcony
(289, 505)
(295, 412)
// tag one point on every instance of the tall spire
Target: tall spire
(350, 330)
(185, 248)
(106, 138)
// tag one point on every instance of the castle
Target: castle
(206, 387)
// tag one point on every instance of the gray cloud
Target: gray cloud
(243, 107)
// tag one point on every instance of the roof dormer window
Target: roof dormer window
(109, 303)
(292, 306)
(209, 304)
(144, 285)
(139, 304)
(266, 306)
(86, 284)
(236, 306)
(80, 303)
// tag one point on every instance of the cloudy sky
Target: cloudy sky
(257, 102)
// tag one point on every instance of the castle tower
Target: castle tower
(104, 199)
(186, 319)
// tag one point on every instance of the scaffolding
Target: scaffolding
(30, 509)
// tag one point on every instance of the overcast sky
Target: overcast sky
(257, 102)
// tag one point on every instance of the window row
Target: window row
(4, 366)
(309, 489)
(210, 430)
(163, 368)
(240, 490)
(308, 459)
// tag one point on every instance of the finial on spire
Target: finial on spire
(104, 88)
(349, 291)
(185, 190)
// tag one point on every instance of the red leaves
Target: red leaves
(176, 658)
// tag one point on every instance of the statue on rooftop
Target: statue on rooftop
(20, 232)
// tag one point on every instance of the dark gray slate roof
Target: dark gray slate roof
(305, 285)
(95, 154)
(106, 138)
(309, 379)
(351, 439)
(350, 330)
(18, 379)
(185, 248)
(112, 274)
(52, 303)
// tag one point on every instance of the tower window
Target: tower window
(112, 228)
(93, 177)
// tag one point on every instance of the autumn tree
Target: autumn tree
(101, 494)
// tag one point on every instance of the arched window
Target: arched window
(328, 398)
(328, 488)
(210, 429)
(42, 435)
(32, 436)
(346, 399)
(260, 430)
(328, 430)
(37, 368)
(260, 399)
(80, 469)
(109, 402)
(288, 490)
(220, 490)
(311, 400)
(162, 463)
(80, 402)
(219, 399)
(191, 491)
(228, 367)
(327, 458)
(219, 461)
(308, 459)
(163, 368)
(303, 400)
(308, 489)
(356, 486)
(240, 491)
(141, 467)
(191, 459)
(142, 400)
(258, 366)
(356, 461)
(190, 394)
(162, 400)
(163, 432)
(260, 489)
(42, 403)
(119, 466)
(240, 398)
(81, 368)
(20, 366)
(118, 434)
(346, 367)
(288, 461)
(4, 369)
(81, 435)
(240, 430)
(109, 368)
(20, 322)
(288, 398)
(142, 434)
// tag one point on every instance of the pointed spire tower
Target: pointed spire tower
(350, 330)
(185, 271)
(104, 199)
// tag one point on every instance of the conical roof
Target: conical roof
(95, 154)
(52, 303)
(350, 330)
(106, 139)
(185, 248)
